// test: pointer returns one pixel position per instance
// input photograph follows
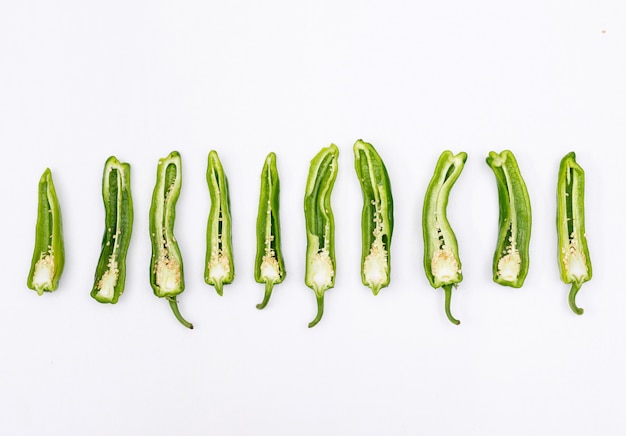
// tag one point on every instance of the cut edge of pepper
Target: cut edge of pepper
(123, 170)
(497, 162)
(320, 253)
(160, 216)
(570, 173)
(379, 247)
(220, 256)
(53, 258)
(435, 204)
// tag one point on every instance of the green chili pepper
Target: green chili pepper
(441, 258)
(269, 267)
(510, 260)
(219, 266)
(49, 252)
(376, 217)
(166, 266)
(118, 205)
(320, 226)
(574, 260)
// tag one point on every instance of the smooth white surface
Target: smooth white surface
(80, 81)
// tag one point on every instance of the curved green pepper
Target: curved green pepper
(219, 267)
(166, 265)
(376, 217)
(574, 260)
(511, 260)
(269, 267)
(320, 226)
(49, 253)
(118, 205)
(441, 258)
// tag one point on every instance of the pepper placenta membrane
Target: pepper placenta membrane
(320, 226)
(574, 261)
(376, 217)
(166, 266)
(219, 266)
(49, 253)
(118, 206)
(441, 258)
(510, 260)
(269, 267)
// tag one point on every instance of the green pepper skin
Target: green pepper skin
(320, 226)
(269, 266)
(110, 274)
(49, 253)
(441, 258)
(166, 265)
(219, 267)
(511, 260)
(574, 260)
(376, 216)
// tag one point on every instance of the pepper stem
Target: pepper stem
(320, 309)
(572, 298)
(268, 293)
(448, 291)
(219, 287)
(376, 289)
(179, 317)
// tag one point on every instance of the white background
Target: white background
(80, 81)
